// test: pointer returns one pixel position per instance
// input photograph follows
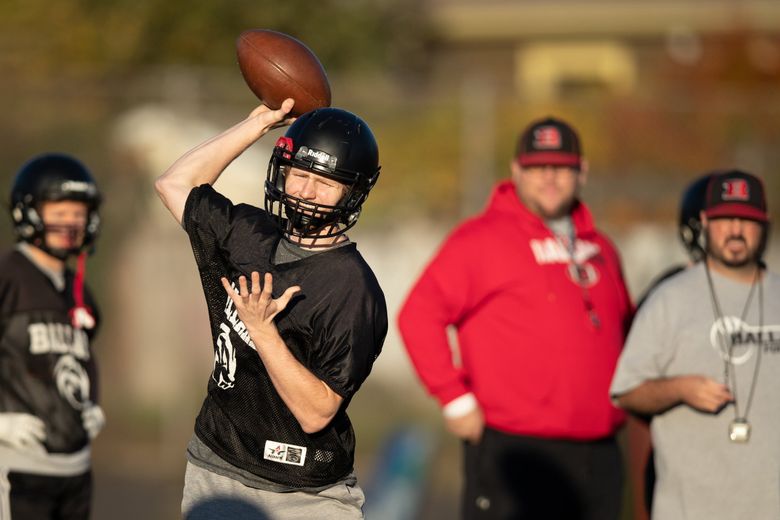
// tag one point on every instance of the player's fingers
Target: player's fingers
(256, 288)
(232, 292)
(268, 287)
(242, 286)
(226, 285)
(287, 105)
(282, 114)
(37, 429)
(284, 299)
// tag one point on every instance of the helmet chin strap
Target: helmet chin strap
(59, 252)
(307, 221)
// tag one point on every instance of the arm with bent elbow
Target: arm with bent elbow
(206, 162)
(311, 400)
(655, 396)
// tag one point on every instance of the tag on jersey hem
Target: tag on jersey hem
(284, 453)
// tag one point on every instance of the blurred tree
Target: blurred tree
(40, 35)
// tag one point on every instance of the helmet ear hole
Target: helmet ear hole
(17, 214)
(691, 205)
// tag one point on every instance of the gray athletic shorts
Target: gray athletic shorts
(208, 495)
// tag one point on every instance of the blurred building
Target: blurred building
(544, 49)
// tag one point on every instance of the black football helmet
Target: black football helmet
(691, 204)
(52, 177)
(333, 143)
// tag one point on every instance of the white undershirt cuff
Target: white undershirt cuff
(460, 406)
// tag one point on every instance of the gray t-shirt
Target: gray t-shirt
(700, 472)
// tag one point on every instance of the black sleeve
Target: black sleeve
(353, 339)
(207, 219)
(217, 226)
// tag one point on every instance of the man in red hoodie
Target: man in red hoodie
(537, 297)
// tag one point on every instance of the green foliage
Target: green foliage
(121, 34)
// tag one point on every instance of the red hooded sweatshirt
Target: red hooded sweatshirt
(530, 350)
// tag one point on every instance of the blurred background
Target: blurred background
(661, 91)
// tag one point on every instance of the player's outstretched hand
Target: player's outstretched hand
(23, 431)
(256, 306)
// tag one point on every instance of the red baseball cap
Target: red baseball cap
(549, 142)
(735, 193)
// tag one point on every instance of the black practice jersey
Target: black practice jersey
(334, 326)
(47, 367)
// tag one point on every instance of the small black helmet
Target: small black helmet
(691, 204)
(333, 143)
(52, 177)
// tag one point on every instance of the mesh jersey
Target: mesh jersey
(335, 327)
(46, 366)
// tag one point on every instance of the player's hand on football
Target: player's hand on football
(703, 393)
(270, 119)
(23, 431)
(256, 306)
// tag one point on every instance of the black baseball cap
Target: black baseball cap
(549, 142)
(735, 193)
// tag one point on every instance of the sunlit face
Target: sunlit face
(548, 191)
(733, 242)
(65, 222)
(313, 188)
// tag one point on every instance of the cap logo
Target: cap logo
(547, 138)
(735, 189)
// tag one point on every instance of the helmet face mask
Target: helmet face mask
(53, 178)
(305, 218)
(330, 143)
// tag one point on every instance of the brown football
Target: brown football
(277, 66)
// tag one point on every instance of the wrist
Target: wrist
(266, 338)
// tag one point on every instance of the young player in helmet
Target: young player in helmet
(48, 397)
(290, 351)
(314, 143)
(688, 229)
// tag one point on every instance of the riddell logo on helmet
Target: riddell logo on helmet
(735, 189)
(547, 138)
(79, 186)
(319, 156)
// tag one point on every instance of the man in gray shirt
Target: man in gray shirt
(703, 357)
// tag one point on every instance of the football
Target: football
(277, 66)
